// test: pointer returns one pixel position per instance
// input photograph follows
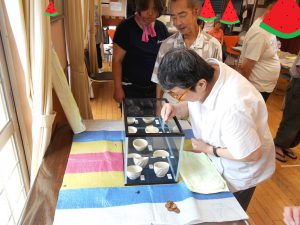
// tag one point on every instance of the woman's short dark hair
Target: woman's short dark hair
(141, 5)
(183, 68)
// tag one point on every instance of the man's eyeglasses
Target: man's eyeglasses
(179, 97)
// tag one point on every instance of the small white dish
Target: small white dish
(161, 153)
(133, 155)
(161, 168)
(132, 129)
(151, 129)
(148, 119)
(130, 120)
(140, 144)
(141, 161)
(134, 171)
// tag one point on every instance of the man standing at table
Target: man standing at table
(260, 63)
(228, 115)
(184, 14)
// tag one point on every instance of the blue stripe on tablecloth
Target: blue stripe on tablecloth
(99, 136)
(188, 133)
(120, 196)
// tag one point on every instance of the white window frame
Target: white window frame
(16, 122)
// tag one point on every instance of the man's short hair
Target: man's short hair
(141, 5)
(183, 68)
(190, 3)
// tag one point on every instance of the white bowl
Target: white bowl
(134, 171)
(161, 168)
(148, 119)
(160, 153)
(151, 129)
(140, 144)
(130, 120)
(132, 129)
(133, 155)
(141, 161)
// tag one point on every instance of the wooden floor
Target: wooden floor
(270, 197)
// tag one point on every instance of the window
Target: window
(13, 170)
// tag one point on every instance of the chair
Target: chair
(108, 44)
(231, 41)
(95, 77)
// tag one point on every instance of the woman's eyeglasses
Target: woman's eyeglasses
(179, 97)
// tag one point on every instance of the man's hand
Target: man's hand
(246, 67)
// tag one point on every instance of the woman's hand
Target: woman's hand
(200, 146)
(168, 111)
(291, 215)
(119, 94)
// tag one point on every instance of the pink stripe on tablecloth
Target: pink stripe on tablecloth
(95, 162)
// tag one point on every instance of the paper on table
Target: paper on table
(200, 175)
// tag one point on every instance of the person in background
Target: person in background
(291, 215)
(288, 133)
(208, 26)
(228, 115)
(184, 14)
(260, 63)
(136, 43)
(99, 37)
(218, 33)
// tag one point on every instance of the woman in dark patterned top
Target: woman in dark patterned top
(136, 44)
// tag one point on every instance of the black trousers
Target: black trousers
(265, 95)
(99, 56)
(137, 91)
(244, 197)
(288, 133)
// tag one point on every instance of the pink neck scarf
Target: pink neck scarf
(147, 29)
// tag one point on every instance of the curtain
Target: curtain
(31, 29)
(92, 41)
(85, 25)
(75, 40)
(65, 96)
(40, 60)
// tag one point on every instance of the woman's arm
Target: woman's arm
(200, 146)
(118, 56)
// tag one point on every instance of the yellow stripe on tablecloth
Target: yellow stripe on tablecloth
(92, 180)
(96, 146)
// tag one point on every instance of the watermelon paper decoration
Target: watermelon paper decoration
(229, 16)
(207, 13)
(50, 11)
(283, 20)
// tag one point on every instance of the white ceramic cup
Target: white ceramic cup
(132, 129)
(148, 119)
(130, 120)
(160, 153)
(133, 155)
(161, 168)
(151, 129)
(141, 161)
(140, 144)
(134, 171)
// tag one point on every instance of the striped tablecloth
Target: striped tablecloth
(93, 191)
